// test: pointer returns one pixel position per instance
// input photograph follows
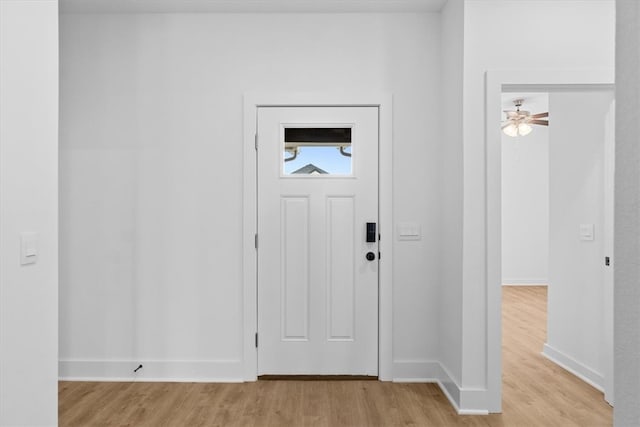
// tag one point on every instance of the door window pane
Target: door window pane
(317, 151)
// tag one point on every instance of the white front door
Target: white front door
(317, 264)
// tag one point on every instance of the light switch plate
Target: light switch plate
(28, 248)
(409, 231)
(587, 232)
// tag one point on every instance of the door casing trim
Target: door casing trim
(249, 300)
(495, 82)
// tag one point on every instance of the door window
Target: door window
(317, 151)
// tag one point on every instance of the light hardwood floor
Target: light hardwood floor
(535, 393)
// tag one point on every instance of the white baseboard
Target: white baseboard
(427, 371)
(473, 402)
(525, 282)
(152, 370)
(431, 371)
(586, 374)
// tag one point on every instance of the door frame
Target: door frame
(608, 235)
(249, 301)
(496, 81)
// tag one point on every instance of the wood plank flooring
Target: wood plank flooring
(535, 393)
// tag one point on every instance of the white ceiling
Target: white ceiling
(168, 6)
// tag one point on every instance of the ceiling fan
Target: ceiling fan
(518, 122)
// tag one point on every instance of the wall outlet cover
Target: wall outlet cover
(28, 248)
(587, 232)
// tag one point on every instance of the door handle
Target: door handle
(370, 256)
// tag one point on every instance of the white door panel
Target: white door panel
(317, 292)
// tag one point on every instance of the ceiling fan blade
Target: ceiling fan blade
(540, 122)
(540, 115)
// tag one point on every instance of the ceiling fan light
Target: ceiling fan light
(510, 129)
(524, 129)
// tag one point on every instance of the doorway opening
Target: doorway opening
(497, 82)
(556, 241)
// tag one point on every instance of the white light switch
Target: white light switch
(409, 231)
(28, 248)
(586, 232)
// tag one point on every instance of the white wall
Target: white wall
(151, 177)
(575, 310)
(557, 35)
(450, 292)
(28, 203)
(627, 214)
(525, 200)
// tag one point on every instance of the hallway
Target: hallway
(535, 390)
